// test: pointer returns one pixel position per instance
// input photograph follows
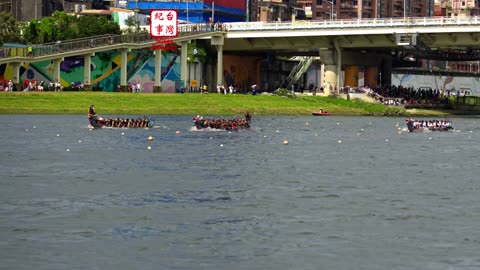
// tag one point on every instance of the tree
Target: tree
(9, 31)
(31, 32)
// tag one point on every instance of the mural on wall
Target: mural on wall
(241, 71)
(443, 83)
(105, 71)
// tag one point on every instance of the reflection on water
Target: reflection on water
(346, 192)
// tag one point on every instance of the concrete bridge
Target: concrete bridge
(337, 43)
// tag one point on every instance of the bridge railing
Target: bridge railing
(52, 48)
(356, 23)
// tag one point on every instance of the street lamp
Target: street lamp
(332, 5)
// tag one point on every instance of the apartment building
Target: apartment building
(277, 10)
(457, 8)
(349, 9)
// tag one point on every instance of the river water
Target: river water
(344, 193)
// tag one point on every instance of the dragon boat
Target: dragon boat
(221, 124)
(428, 125)
(99, 122)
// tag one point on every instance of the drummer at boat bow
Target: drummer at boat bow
(91, 111)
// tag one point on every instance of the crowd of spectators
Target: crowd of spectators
(400, 95)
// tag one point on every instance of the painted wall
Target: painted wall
(105, 70)
(438, 82)
(241, 71)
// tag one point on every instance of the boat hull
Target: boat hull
(412, 127)
(96, 122)
(321, 114)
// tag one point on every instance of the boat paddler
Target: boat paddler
(91, 111)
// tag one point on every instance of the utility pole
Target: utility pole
(248, 11)
(213, 11)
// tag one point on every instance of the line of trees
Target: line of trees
(59, 26)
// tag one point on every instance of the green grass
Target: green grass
(210, 104)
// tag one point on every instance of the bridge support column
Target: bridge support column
(56, 70)
(123, 70)
(157, 80)
(329, 79)
(16, 76)
(351, 75)
(219, 64)
(184, 65)
(339, 67)
(386, 76)
(87, 72)
(371, 76)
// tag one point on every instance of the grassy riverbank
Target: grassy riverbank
(210, 104)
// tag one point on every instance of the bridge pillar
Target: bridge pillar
(123, 70)
(329, 79)
(157, 80)
(87, 71)
(16, 76)
(339, 66)
(56, 69)
(184, 65)
(371, 76)
(386, 76)
(219, 64)
(351, 75)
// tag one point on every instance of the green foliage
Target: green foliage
(61, 26)
(133, 25)
(282, 92)
(195, 52)
(9, 31)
